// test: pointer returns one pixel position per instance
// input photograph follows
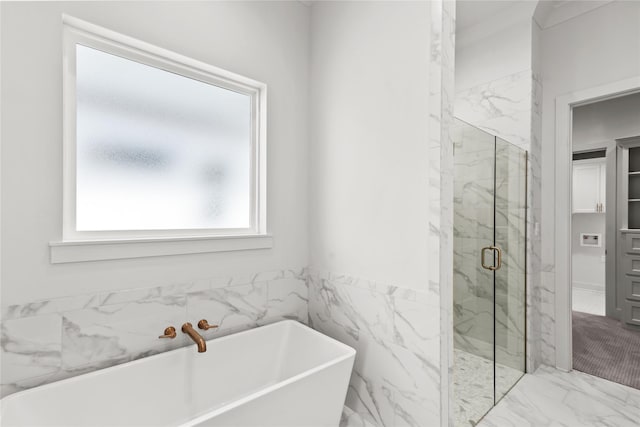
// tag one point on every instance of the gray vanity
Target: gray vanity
(628, 218)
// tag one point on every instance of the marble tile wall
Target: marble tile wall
(473, 229)
(46, 341)
(475, 162)
(509, 107)
(536, 284)
(396, 376)
(501, 107)
(441, 190)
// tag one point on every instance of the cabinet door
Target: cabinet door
(603, 187)
(586, 187)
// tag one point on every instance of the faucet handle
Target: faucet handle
(203, 324)
(169, 332)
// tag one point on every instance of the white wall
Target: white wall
(369, 151)
(497, 54)
(606, 121)
(493, 73)
(593, 49)
(369, 204)
(264, 41)
(587, 263)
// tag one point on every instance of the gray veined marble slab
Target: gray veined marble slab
(288, 299)
(31, 347)
(394, 381)
(566, 399)
(502, 107)
(51, 340)
(350, 418)
(120, 332)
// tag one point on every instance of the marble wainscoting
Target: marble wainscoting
(395, 381)
(50, 340)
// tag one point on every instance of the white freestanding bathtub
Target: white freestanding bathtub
(284, 374)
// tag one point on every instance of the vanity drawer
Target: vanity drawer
(632, 287)
(631, 312)
(631, 265)
(632, 244)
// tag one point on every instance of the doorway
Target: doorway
(605, 220)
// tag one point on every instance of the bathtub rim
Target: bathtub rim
(349, 353)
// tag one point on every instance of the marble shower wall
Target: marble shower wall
(476, 161)
(50, 340)
(540, 277)
(474, 166)
(509, 107)
(396, 376)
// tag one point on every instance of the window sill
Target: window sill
(98, 250)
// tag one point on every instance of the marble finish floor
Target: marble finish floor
(566, 399)
(473, 386)
(588, 301)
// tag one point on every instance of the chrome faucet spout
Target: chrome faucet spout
(187, 328)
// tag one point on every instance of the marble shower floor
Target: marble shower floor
(473, 386)
(566, 399)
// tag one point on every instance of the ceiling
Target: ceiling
(472, 12)
(548, 13)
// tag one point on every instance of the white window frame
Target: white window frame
(76, 31)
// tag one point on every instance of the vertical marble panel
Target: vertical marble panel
(350, 418)
(396, 373)
(440, 221)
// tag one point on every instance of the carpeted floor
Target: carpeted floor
(604, 348)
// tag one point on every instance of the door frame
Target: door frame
(563, 171)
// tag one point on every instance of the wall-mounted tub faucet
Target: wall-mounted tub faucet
(204, 325)
(187, 328)
(169, 332)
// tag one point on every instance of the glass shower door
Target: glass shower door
(510, 288)
(473, 228)
(489, 270)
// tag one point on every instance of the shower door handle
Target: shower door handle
(494, 249)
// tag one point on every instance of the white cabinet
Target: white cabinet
(589, 186)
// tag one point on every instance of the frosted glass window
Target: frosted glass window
(158, 151)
